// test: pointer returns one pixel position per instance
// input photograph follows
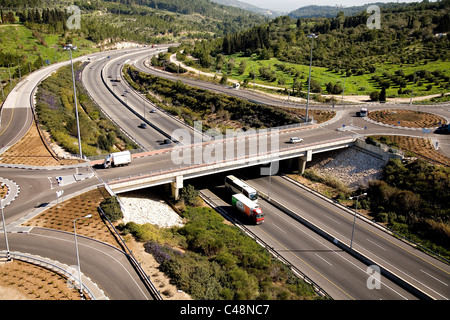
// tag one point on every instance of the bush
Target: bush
(221, 262)
(189, 195)
(111, 209)
(382, 217)
(311, 175)
(374, 96)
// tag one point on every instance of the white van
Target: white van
(295, 140)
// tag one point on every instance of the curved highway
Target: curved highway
(15, 122)
(341, 275)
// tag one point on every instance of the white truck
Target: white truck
(248, 208)
(364, 112)
(117, 158)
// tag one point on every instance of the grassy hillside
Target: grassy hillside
(23, 50)
(33, 32)
(410, 48)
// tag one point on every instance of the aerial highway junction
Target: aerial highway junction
(339, 272)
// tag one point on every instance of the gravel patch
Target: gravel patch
(351, 166)
(149, 208)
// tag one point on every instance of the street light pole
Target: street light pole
(412, 90)
(8, 256)
(78, 257)
(312, 36)
(70, 47)
(354, 217)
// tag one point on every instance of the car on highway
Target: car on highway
(295, 139)
(152, 111)
(167, 141)
(443, 129)
(143, 125)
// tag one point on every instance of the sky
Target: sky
(290, 5)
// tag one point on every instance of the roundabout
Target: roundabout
(407, 118)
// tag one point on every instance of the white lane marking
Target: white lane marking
(434, 278)
(323, 259)
(376, 244)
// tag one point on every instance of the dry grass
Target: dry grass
(30, 150)
(407, 118)
(23, 281)
(422, 148)
(60, 217)
(318, 115)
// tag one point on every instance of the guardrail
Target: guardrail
(270, 249)
(331, 238)
(134, 261)
(48, 265)
(260, 158)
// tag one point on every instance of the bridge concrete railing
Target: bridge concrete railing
(143, 180)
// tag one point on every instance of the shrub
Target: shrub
(311, 175)
(159, 253)
(111, 208)
(189, 195)
(382, 217)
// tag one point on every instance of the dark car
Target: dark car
(443, 129)
(167, 141)
(143, 125)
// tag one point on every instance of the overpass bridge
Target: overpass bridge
(195, 160)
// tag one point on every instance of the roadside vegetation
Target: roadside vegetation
(34, 32)
(215, 110)
(211, 259)
(55, 108)
(412, 199)
(413, 147)
(409, 54)
(24, 50)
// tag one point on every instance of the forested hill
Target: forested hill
(408, 34)
(332, 11)
(145, 20)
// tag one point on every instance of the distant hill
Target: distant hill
(249, 7)
(140, 20)
(332, 11)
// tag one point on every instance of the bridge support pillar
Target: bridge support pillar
(176, 186)
(302, 161)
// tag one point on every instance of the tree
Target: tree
(382, 96)
(374, 96)
(111, 209)
(242, 67)
(189, 195)
(315, 86)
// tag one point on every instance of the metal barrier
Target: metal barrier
(271, 250)
(134, 261)
(48, 265)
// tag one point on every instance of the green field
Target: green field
(31, 49)
(354, 84)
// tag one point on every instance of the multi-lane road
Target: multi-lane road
(337, 271)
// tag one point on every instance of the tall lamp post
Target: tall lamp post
(70, 47)
(312, 36)
(8, 256)
(412, 90)
(78, 256)
(354, 217)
